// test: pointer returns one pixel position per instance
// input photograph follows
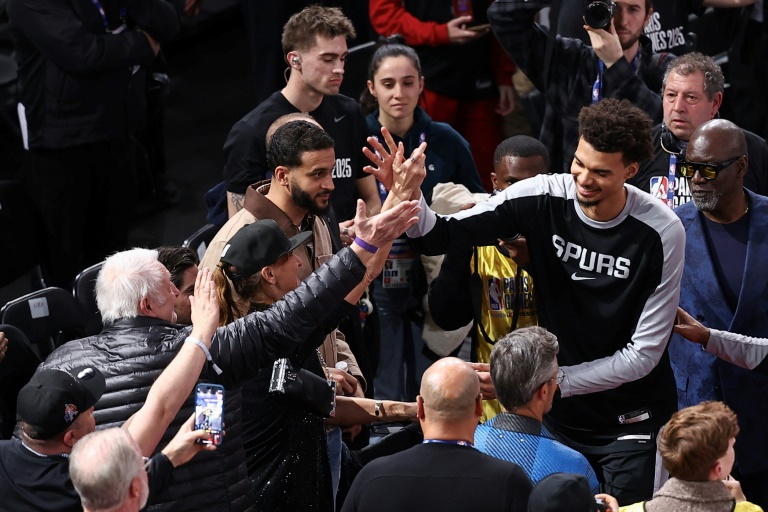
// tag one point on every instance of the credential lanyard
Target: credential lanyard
(671, 180)
(597, 88)
(123, 17)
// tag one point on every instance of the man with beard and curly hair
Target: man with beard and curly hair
(607, 261)
(301, 156)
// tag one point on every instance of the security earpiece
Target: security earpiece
(295, 61)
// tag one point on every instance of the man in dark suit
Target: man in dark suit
(724, 287)
(445, 472)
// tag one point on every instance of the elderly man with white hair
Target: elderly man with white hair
(136, 300)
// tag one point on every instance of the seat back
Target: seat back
(84, 290)
(21, 235)
(199, 240)
(48, 317)
(16, 369)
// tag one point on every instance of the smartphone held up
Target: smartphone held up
(209, 412)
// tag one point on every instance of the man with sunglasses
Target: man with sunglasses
(692, 93)
(724, 287)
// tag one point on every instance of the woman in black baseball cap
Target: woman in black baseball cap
(259, 263)
(286, 445)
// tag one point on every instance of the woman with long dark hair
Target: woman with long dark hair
(391, 101)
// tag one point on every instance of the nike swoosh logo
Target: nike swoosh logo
(581, 278)
(337, 119)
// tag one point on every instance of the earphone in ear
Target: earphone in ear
(295, 61)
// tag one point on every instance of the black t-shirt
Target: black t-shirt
(246, 153)
(605, 289)
(30, 482)
(666, 29)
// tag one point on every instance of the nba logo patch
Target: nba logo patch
(659, 187)
(70, 413)
(494, 293)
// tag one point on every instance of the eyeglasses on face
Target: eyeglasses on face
(558, 378)
(706, 170)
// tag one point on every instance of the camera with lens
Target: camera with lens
(598, 13)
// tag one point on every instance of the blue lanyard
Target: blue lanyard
(597, 88)
(100, 8)
(445, 441)
(671, 181)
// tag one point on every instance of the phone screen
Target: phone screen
(209, 412)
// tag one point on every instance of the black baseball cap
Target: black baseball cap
(53, 399)
(562, 492)
(258, 245)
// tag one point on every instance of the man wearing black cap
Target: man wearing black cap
(568, 492)
(55, 411)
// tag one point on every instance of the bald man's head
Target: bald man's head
(288, 118)
(449, 390)
(720, 145)
(721, 135)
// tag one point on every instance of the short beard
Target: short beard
(587, 204)
(707, 203)
(303, 200)
(628, 44)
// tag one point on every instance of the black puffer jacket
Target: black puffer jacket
(132, 353)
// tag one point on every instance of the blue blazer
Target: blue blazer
(701, 376)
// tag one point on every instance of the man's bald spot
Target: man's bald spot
(289, 118)
(722, 134)
(449, 389)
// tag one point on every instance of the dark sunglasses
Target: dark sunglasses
(706, 170)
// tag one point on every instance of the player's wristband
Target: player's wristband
(206, 351)
(365, 245)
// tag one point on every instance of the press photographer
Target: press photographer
(619, 64)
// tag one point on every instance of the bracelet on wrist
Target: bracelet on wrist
(365, 245)
(205, 350)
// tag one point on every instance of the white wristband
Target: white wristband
(206, 351)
